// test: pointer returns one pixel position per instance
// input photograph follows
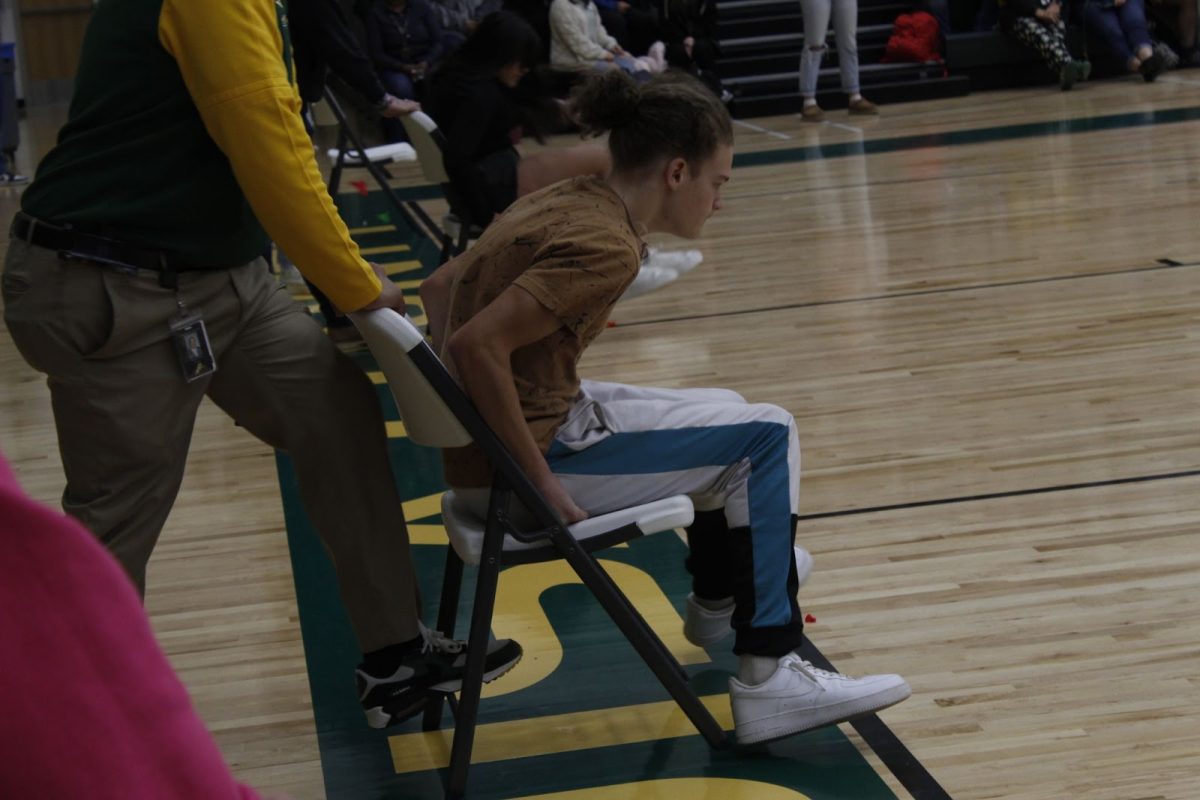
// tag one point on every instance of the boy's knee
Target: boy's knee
(772, 413)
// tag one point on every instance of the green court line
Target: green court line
(868, 147)
(1002, 133)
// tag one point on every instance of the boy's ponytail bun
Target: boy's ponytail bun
(605, 102)
(672, 115)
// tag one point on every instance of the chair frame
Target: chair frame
(511, 481)
(468, 228)
(346, 136)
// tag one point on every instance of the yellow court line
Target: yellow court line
(400, 267)
(372, 229)
(557, 733)
(427, 534)
(387, 248)
(422, 507)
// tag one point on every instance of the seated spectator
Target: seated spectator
(578, 40)
(1175, 24)
(460, 17)
(324, 41)
(633, 23)
(689, 30)
(1121, 25)
(1038, 25)
(471, 99)
(405, 41)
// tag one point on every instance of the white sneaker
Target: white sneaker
(680, 261)
(800, 697)
(706, 626)
(648, 279)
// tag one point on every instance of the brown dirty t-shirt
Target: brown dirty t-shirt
(573, 247)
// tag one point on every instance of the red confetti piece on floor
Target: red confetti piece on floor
(809, 618)
(361, 186)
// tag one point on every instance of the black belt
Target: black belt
(111, 252)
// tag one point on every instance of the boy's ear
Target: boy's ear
(676, 171)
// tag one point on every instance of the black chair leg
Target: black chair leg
(335, 175)
(344, 133)
(642, 637)
(447, 615)
(477, 644)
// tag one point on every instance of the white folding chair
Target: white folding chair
(429, 142)
(438, 413)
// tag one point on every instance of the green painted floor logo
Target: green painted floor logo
(581, 716)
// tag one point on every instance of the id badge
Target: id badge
(191, 345)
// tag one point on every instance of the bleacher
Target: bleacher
(761, 41)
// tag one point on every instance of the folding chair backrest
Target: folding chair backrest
(435, 409)
(423, 133)
(409, 363)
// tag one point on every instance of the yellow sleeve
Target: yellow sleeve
(232, 59)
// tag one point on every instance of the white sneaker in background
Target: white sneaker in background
(707, 626)
(680, 261)
(648, 279)
(800, 697)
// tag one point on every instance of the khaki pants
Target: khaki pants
(124, 413)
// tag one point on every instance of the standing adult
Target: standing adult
(817, 15)
(134, 281)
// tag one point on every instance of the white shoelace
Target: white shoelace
(437, 641)
(798, 664)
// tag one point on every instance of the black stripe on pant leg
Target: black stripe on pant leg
(710, 554)
(777, 640)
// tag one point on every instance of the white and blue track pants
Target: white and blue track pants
(739, 463)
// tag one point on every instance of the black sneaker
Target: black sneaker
(1152, 67)
(438, 666)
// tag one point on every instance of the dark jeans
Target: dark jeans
(1122, 28)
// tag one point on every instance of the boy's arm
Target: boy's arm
(435, 298)
(482, 354)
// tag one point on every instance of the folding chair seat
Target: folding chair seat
(466, 530)
(429, 142)
(438, 413)
(350, 152)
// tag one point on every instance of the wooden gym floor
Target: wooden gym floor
(985, 315)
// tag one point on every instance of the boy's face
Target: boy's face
(697, 191)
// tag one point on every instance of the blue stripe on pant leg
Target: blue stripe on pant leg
(765, 444)
(770, 510)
